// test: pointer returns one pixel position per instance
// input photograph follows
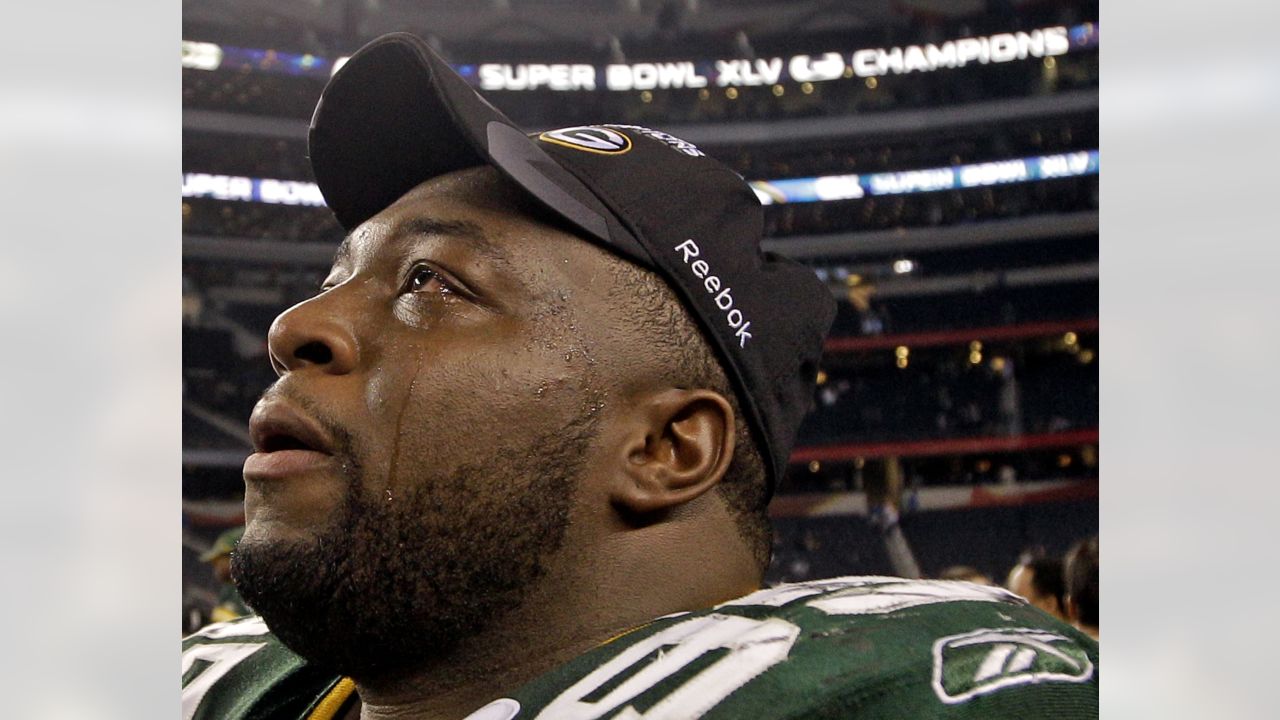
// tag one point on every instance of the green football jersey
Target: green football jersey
(238, 670)
(870, 648)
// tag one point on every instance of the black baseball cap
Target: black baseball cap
(396, 114)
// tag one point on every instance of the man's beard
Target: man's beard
(396, 581)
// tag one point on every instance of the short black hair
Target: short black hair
(690, 362)
(1046, 575)
(1082, 579)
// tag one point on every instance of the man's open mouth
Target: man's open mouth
(277, 426)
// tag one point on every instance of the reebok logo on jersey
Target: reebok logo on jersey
(722, 296)
(984, 661)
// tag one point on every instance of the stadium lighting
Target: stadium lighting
(201, 55)
(787, 190)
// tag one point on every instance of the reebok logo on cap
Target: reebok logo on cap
(723, 297)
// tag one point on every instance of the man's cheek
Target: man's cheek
(492, 401)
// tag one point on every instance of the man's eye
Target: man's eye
(424, 279)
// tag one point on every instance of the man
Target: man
(1038, 578)
(518, 459)
(229, 604)
(1082, 585)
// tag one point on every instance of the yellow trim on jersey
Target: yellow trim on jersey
(331, 703)
(223, 613)
(627, 632)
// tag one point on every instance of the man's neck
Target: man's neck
(587, 599)
(445, 692)
(560, 620)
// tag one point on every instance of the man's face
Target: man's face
(419, 458)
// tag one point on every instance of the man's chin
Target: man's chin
(266, 532)
(281, 575)
(279, 514)
(326, 616)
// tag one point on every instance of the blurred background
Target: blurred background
(935, 163)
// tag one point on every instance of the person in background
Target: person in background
(1082, 585)
(1039, 579)
(230, 605)
(967, 573)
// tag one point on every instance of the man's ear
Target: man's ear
(678, 445)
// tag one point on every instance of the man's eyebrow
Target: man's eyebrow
(475, 235)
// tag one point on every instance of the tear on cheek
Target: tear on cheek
(377, 394)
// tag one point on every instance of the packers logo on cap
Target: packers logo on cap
(589, 138)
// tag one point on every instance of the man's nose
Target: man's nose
(312, 333)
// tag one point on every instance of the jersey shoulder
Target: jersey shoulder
(238, 670)
(866, 647)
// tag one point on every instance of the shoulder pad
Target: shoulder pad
(865, 647)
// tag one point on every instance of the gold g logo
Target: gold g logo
(589, 138)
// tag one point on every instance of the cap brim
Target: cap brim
(395, 115)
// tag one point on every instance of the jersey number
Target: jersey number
(221, 659)
(754, 646)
